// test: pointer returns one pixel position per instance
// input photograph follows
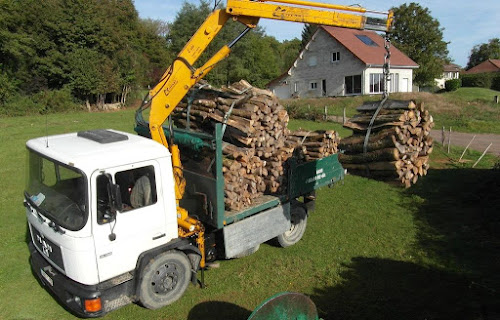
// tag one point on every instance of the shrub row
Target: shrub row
(453, 84)
(49, 101)
(487, 80)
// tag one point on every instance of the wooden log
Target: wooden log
(388, 154)
(389, 104)
(362, 127)
(393, 165)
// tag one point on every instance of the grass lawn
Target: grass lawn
(371, 250)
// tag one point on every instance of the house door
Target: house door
(405, 84)
(323, 88)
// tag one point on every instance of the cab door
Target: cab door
(136, 227)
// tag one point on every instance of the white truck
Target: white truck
(116, 218)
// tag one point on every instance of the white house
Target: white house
(450, 71)
(343, 62)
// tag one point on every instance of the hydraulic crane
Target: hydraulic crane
(181, 76)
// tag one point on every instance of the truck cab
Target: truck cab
(95, 204)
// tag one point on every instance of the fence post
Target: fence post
(344, 119)
(442, 136)
(449, 140)
(474, 137)
(482, 155)
(326, 113)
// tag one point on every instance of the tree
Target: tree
(307, 33)
(483, 52)
(419, 36)
(255, 57)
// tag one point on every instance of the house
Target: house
(450, 71)
(343, 62)
(490, 65)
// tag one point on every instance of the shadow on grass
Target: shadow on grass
(459, 222)
(386, 289)
(218, 310)
(457, 250)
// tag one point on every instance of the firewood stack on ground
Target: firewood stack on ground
(399, 144)
(256, 138)
(314, 145)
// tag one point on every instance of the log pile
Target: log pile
(398, 146)
(257, 142)
(314, 145)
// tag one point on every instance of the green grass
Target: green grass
(465, 110)
(371, 250)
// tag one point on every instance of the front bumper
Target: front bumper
(72, 295)
(69, 293)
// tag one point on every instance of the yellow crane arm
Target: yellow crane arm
(181, 76)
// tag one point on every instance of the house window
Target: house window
(296, 87)
(335, 56)
(312, 61)
(353, 84)
(394, 82)
(313, 86)
(366, 40)
(377, 82)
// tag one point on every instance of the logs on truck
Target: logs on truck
(257, 141)
(398, 145)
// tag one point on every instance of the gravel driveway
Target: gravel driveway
(480, 143)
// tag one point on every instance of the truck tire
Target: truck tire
(164, 279)
(298, 217)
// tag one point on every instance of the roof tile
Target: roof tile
(370, 55)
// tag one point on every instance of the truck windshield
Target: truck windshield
(59, 192)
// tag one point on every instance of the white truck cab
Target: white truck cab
(86, 231)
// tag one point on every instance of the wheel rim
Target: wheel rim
(165, 278)
(293, 225)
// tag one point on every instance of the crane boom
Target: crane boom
(181, 76)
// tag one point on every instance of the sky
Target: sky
(466, 23)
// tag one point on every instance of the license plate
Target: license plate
(47, 278)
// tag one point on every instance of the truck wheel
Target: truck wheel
(298, 217)
(164, 279)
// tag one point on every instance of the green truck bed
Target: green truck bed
(205, 189)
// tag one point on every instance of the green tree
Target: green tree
(419, 35)
(307, 33)
(483, 52)
(289, 51)
(256, 57)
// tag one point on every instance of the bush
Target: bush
(49, 101)
(7, 87)
(495, 83)
(480, 80)
(453, 84)
(52, 101)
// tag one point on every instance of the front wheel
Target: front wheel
(164, 279)
(298, 216)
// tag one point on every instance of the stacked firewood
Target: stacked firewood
(314, 145)
(257, 142)
(398, 146)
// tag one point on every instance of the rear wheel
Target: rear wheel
(164, 279)
(298, 216)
